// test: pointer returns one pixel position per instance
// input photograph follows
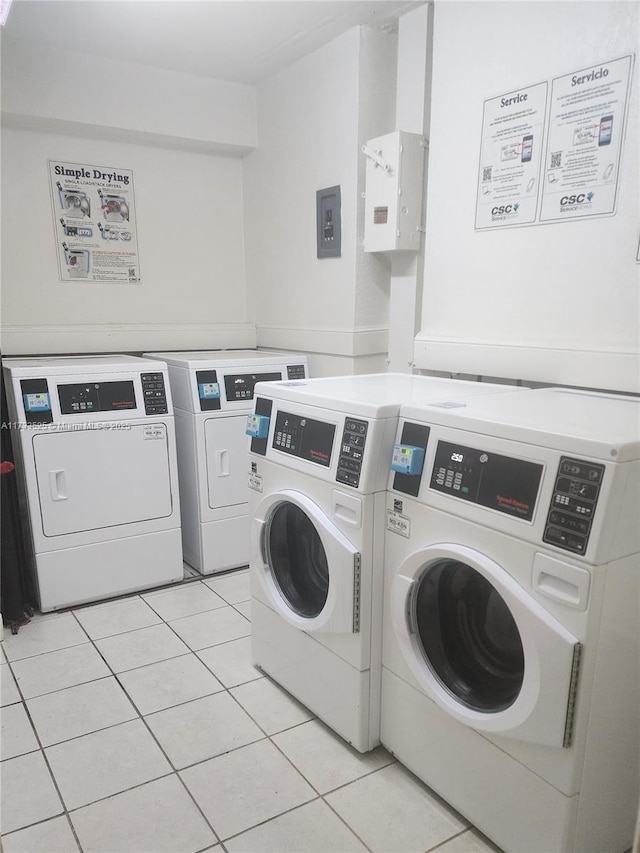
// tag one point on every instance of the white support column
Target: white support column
(413, 102)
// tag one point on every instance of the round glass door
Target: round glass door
(468, 636)
(297, 560)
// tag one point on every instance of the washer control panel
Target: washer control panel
(154, 394)
(498, 482)
(305, 438)
(573, 504)
(354, 437)
(295, 371)
(85, 398)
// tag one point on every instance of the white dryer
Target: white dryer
(319, 456)
(213, 393)
(95, 450)
(511, 624)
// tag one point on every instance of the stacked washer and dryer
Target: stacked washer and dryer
(511, 636)
(318, 462)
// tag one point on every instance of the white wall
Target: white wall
(178, 134)
(555, 302)
(182, 137)
(46, 87)
(312, 119)
(189, 217)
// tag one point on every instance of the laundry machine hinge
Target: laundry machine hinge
(573, 690)
(357, 565)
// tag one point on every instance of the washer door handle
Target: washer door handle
(258, 550)
(58, 485)
(401, 597)
(222, 463)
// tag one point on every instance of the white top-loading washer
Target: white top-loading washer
(95, 451)
(212, 393)
(511, 651)
(318, 462)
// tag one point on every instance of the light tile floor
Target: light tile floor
(140, 725)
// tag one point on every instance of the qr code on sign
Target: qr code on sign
(486, 173)
(556, 160)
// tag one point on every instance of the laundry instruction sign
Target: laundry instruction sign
(510, 157)
(552, 152)
(94, 222)
(584, 149)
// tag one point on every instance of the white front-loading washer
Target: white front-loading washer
(94, 442)
(318, 461)
(212, 394)
(511, 625)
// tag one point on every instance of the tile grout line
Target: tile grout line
(174, 771)
(45, 758)
(321, 796)
(90, 641)
(269, 737)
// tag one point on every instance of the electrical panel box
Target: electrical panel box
(393, 198)
(328, 223)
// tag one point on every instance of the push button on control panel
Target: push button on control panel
(354, 437)
(154, 394)
(573, 504)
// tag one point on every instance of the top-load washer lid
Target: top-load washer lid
(199, 359)
(56, 365)
(380, 395)
(605, 426)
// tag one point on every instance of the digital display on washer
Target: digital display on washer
(241, 385)
(497, 482)
(304, 438)
(82, 398)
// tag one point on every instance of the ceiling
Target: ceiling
(241, 41)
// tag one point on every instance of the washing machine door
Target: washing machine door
(482, 648)
(95, 479)
(307, 569)
(226, 461)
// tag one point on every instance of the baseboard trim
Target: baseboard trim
(602, 369)
(38, 340)
(353, 343)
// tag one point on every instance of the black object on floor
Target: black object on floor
(17, 593)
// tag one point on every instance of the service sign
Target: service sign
(584, 147)
(94, 222)
(510, 158)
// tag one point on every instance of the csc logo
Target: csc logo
(505, 208)
(576, 199)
